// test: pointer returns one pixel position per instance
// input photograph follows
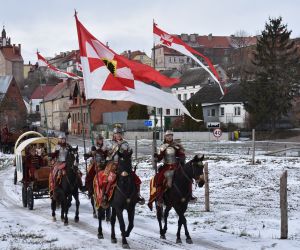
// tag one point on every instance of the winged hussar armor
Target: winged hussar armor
(169, 156)
(115, 147)
(62, 153)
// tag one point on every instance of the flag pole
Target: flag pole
(82, 124)
(154, 163)
(44, 105)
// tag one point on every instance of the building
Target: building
(37, 97)
(138, 56)
(94, 112)
(11, 61)
(227, 109)
(12, 107)
(217, 48)
(57, 103)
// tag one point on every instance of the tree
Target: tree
(275, 81)
(241, 43)
(196, 111)
(137, 112)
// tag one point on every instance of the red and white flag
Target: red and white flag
(173, 42)
(43, 63)
(110, 76)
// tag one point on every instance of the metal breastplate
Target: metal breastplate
(62, 154)
(170, 157)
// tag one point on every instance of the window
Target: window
(159, 111)
(213, 112)
(170, 59)
(185, 97)
(168, 111)
(177, 111)
(208, 112)
(179, 97)
(37, 108)
(237, 111)
(221, 111)
(192, 94)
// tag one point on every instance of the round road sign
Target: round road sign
(217, 132)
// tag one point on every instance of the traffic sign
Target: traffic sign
(212, 125)
(148, 123)
(217, 132)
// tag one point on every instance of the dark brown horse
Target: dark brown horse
(179, 195)
(69, 187)
(124, 198)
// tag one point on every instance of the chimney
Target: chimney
(19, 45)
(14, 51)
(129, 54)
(210, 36)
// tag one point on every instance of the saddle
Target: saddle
(56, 175)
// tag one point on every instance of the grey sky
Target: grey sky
(50, 26)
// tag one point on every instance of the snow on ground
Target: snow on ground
(244, 203)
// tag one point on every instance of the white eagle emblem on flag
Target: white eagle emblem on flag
(166, 39)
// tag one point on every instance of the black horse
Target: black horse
(68, 187)
(179, 195)
(124, 198)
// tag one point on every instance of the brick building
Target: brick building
(12, 107)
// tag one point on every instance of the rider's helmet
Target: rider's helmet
(118, 130)
(99, 137)
(168, 132)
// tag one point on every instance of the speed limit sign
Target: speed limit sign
(217, 132)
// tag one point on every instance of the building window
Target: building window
(185, 97)
(37, 108)
(177, 111)
(213, 112)
(168, 111)
(221, 111)
(179, 97)
(170, 59)
(192, 94)
(208, 112)
(237, 111)
(160, 111)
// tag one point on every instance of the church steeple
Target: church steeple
(3, 32)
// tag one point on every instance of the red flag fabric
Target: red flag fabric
(110, 76)
(43, 63)
(173, 42)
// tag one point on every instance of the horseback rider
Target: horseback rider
(98, 154)
(119, 146)
(173, 154)
(60, 155)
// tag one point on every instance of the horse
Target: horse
(179, 195)
(68, 187)
(125, 197)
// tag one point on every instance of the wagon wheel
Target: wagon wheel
(15, 177)
(30, 200)
(24, 196)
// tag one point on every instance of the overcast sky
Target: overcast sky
(49, 25)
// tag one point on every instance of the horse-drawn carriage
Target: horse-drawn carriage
(32, 167)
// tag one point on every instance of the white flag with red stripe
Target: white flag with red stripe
(110, 76)
(173, 42)
(43, 63)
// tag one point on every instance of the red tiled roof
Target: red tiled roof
(214, 41)
(56, 91)
(11, 54)
(42, 91)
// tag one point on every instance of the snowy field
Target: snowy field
(244, 203)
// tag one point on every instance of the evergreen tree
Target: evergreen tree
(138, 112)
(275, 81)
(196, 111)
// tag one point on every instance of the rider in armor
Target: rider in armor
(172, 153)
(60, 155)
(98, 162)
(119, 145)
